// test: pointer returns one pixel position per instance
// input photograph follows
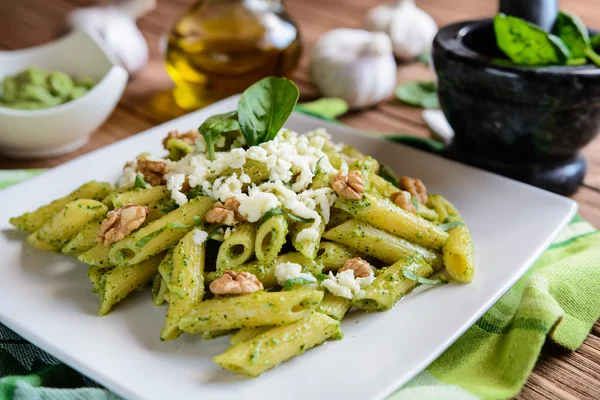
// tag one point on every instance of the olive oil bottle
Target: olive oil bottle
(220, 47)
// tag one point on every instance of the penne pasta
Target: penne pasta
(334, 306)
(391, 285)
(269, 349)
(65, 224)
(238, 248)
(33, 221)
(159, 235)
(385, 215)
(459, 257)
(377, 243)
(250, 310)
(84, 240)
(332, 256)
(116, 283)
(245, 334)
(142, 197)
(186, 283)
(270, 238)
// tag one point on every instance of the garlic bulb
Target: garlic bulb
(355, 65)
(411, 29)
(115, 26)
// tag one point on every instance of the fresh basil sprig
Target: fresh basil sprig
(528, 44)
(140, 183)
(425, 281)
(279, 211)
(217, 125)
(264, 107)
(289, 284)
(174, 225)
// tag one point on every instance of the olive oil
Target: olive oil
(221, 47)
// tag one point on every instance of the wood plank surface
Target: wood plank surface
(147, 101)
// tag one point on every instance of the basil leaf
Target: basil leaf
(450, 225)
(423, 58)
(388, 174)
(215, 126)
(577, 61)
(278, 211)
(140, 183)
(573, 33)
(528, 44)
(326, 107)
(425, 281)
(264, 108)
(175, 225)
(321, 277)
(289, 284)
(418, 93)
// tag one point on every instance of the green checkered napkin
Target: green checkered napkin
(557, 298)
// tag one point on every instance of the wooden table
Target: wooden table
(147, 102)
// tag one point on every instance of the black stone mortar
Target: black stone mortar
(527, 123)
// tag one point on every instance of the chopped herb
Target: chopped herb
(321, 277)
(170, 208)
(278, 211)
(289, 284)
(388, 174)
(140, 183)
(197, 220)
(425, 281)
(414, 202)
(174, 225)
(450, 225)
(316, 171)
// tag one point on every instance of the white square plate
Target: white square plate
(48, 300)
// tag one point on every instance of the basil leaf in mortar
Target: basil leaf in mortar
(528, 44)
(264, 107)
(573, 33)
(217, 125)
(418, 93)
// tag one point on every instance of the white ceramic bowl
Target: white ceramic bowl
(67, 127)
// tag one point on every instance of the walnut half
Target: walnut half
(361, 268)
(120, 222)
(225, 213)
(232, 282)
(415, 187)
(153, 171)
(403, 200)
(351, 186)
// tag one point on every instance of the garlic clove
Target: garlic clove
(410, 28)
(355, 65)
(412, 31)
(379, 18)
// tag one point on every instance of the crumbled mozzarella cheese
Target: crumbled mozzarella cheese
(128, 176)
(228, 233)
(174, 184)
(290, 270)
(255, 206)
(344, 284)
(199, 236)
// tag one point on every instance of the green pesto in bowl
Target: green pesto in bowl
(34, 89)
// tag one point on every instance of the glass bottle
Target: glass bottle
(220, 47)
